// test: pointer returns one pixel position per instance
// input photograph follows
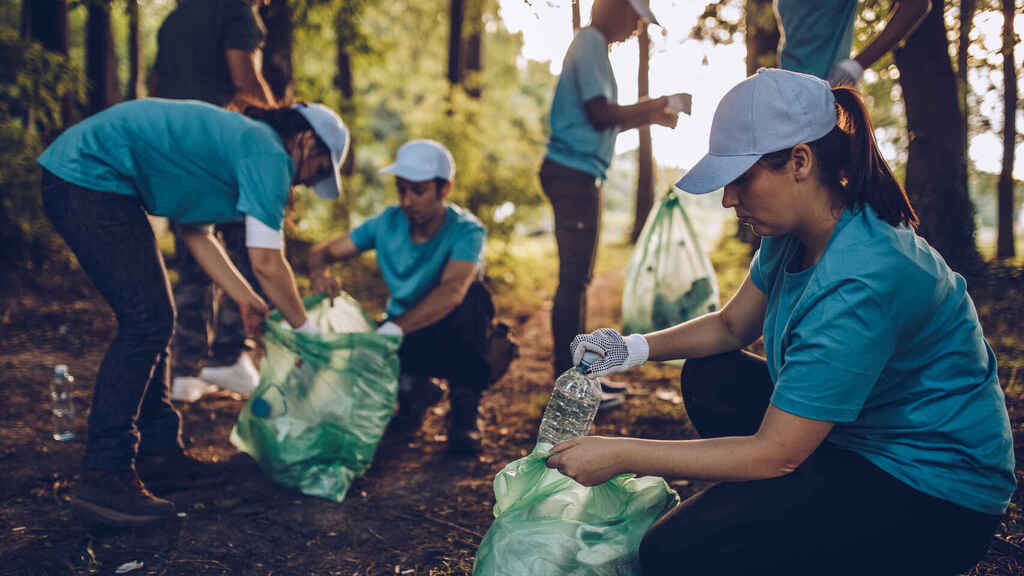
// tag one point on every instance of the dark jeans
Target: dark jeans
(576, 199)
(453, 348)
(837, 514)
(115, 245)
(199, 313)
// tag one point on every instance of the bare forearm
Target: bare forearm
(733, 458)
(905, 18)
(431, 309)
(637, 115)
(278, 284)
(218, 266)
(704, 336)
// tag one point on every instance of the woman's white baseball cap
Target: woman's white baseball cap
(770, 111)
(422, 160)
(329, 128)
(643, 10)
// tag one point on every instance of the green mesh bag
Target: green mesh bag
(547, 524)
(323, 401)
(670, 279)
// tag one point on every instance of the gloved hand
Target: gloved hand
(306, 328)
(389, 328)
(846, 73)
(618, 354)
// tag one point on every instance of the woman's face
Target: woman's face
(764, 199)
(314, 165)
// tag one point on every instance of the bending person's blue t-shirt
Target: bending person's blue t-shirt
(816, 34)
(586, 75)
(411, 269)
(881, 337)
(189, 161)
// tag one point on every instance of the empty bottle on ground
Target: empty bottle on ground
(61, 387)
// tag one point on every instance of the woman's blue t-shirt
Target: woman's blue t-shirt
(881, 337)
(189, 161)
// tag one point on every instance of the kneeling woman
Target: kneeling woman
(873, 438)
(196, 164)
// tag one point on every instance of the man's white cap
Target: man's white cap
(329, 128)
(643, 10)
(422, 160)
(770, 111)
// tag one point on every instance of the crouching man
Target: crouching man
(430, 253)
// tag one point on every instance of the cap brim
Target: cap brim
(330, 187)
(713, 172)
(409, 173)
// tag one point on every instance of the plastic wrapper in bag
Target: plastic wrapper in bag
(548, 524)
(670, 279)
(314, 425)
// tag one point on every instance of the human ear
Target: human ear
(802, 161)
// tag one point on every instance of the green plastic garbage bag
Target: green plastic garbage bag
(547, 524)
(670, 279)
(314, 425)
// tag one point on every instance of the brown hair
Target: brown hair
(848, 160)
(284, 119)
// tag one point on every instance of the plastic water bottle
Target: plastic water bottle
(573, 404)
(272, 402)
(61, 386)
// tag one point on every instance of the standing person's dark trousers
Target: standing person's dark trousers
(453, 348)
(576, 199)
(836, 514)
(194, 300)
(111, 236)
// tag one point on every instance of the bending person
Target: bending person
(197, 165)
(873, 438)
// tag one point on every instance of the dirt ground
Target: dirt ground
(417, 511)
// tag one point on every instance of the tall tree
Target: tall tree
(936, 179)
(456, 48)
(134, 51)
(46, 22)
(277, 50)
(575, 16)
(474, 47)
(100, 58)
(1005, 242)
(967, 9)
(644, 157)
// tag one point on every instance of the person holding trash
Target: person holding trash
(232, 31)
(873, 438)
(817, 37)
(585, 120)
(430, 253)
(197, 165)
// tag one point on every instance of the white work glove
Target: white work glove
(681, 102)
(389, 328)
(618, 354)
(846, 73)
(307, 328)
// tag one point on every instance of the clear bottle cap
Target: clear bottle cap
(61, 370)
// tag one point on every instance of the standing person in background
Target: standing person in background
(585, 120)
(817, 37)
(209, 50)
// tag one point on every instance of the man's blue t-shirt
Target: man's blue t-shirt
(412, 269)
(190, 161)
(881, 337)
(816, 34)
(586, 74)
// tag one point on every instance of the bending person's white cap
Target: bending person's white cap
(422, 160)
(332, 131)
(643, 10)
(769, 111)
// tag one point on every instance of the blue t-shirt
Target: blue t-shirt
(411, 269)
(586, 74)
(881, 337)
(816, 34)
(190, 161)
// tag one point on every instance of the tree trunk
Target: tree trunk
(967, 8)
(644, 156)
(46, 22)
(936, 163)
(575, 16)
(134, 51)
(1005, 243)
(277, 51)
(474, 47)
(342, 210)
(100, 58)
(456, 57)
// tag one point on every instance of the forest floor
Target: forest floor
(418, 510)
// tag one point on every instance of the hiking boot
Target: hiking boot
(189, 388)
(177, 471)
(118, 498)
(241, 377)
(416, 394)
(464, 436)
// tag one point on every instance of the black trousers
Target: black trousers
(111, 236)
(453, 348)
(837, 514)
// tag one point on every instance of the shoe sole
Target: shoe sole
(109, 517)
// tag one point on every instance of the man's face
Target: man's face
(421, 201)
